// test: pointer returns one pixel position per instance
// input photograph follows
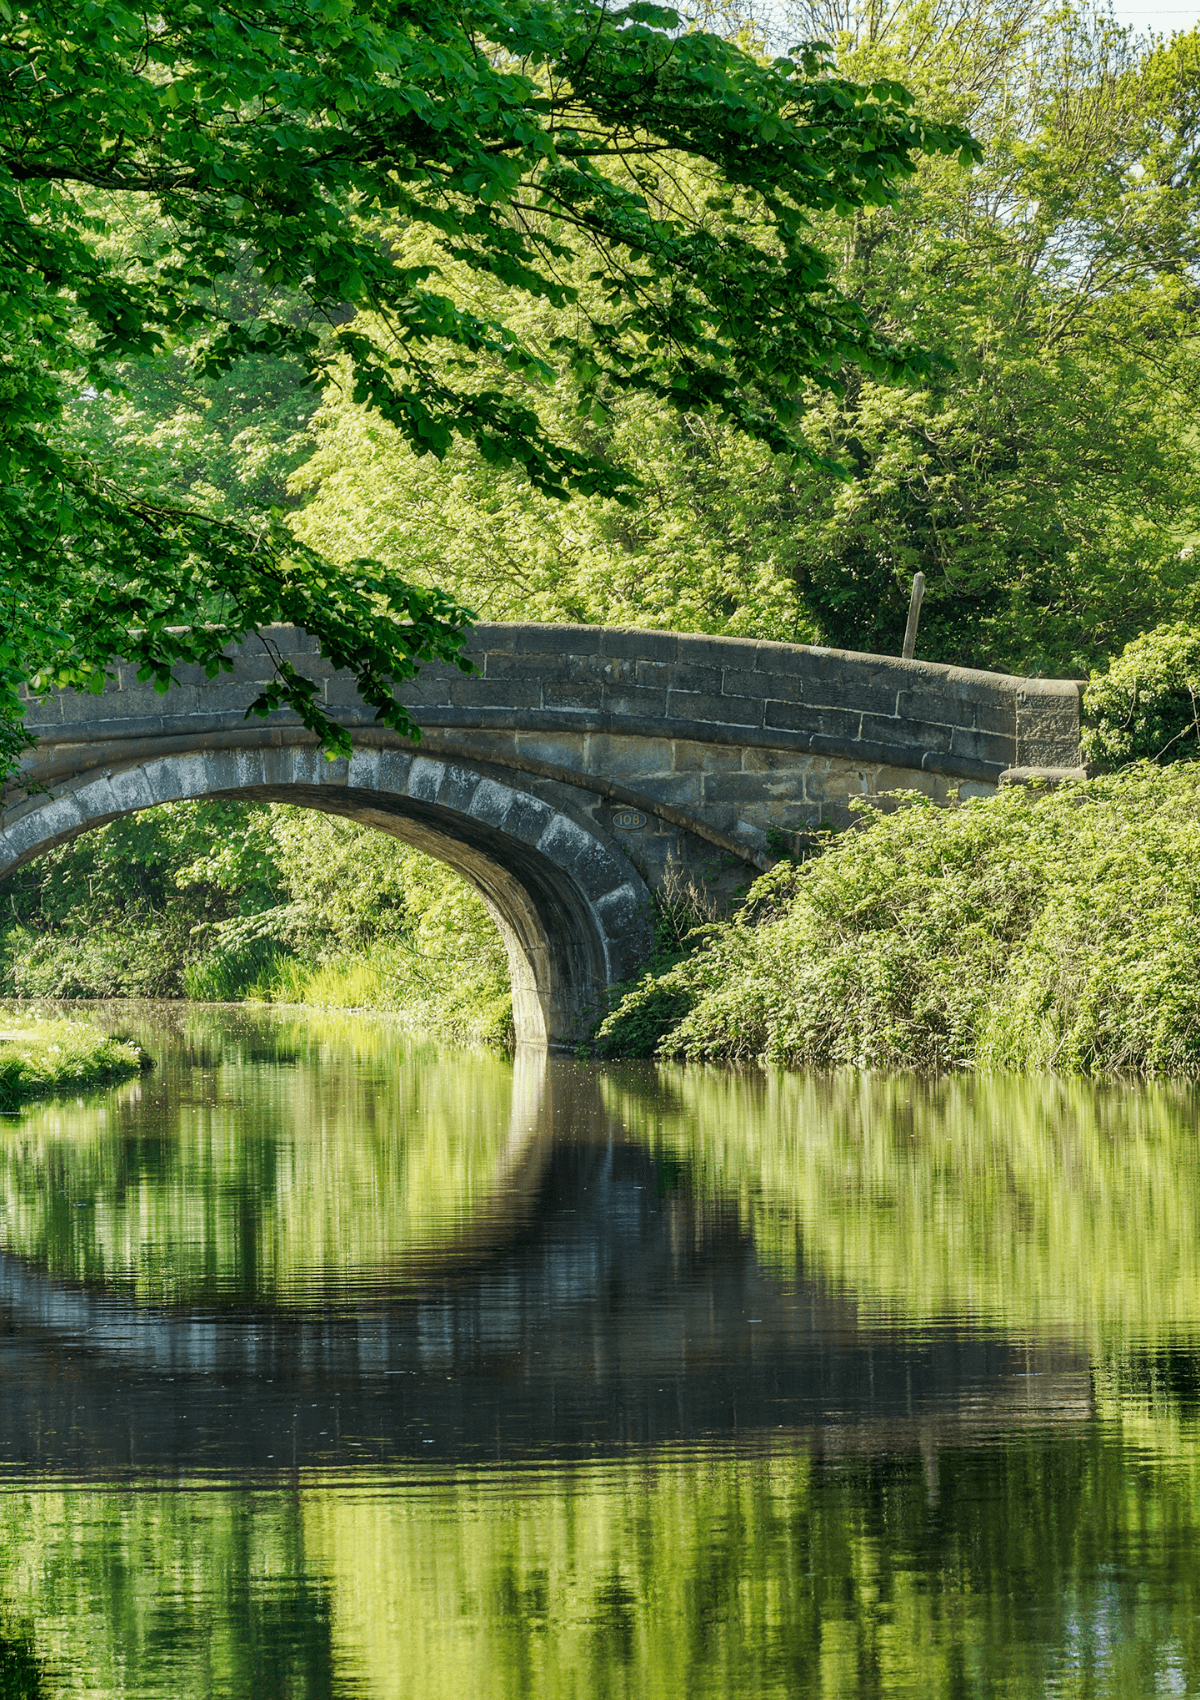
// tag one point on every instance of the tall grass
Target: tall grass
(453, 996)
(1037, 929)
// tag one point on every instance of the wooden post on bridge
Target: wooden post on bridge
(914, 614)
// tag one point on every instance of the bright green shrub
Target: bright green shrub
(41, 1057)
(1038, 929)
(1147, 705)
(117, 961)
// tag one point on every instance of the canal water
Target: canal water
(337, 1364)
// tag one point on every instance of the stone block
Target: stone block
(611, 756)
(784, 660)
(887, 777)
(458, 789)
(828, 724)
(56, 819)
(627, 643)
(626, 917)
(528, 817)
(424, 700)
(690, 753)
(250, 667)
(363, 772)
(577, 696)
(187, 673)
(424, 779)
(720, 817)
(700, 649)
(865, 692)
(277, 766)
(504, 694)
(890, 736)
(677, 790)
(308, 765)
(132, 790)
(176, 777)
(491, 635)
(546, 749)
(523, 667)
(968, 700)
(97, 800)
(490, 801)
(77, 708)
(837, 783)
(743, 682)
(225, 771)
(819, 665)
(583, 857)
(315, 667)
(750, 787)
(647, 675)
(395, 766)
(990, 749)
(774, 761)
(43, 713)
(290, 641)
(1048, 723)
(703, 681)
(696, 706)
(637, 703)
(341, 691)
(540, 639)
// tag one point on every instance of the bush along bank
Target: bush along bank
(1050, 929)
(38, 1058)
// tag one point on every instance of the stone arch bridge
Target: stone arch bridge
(582, 769)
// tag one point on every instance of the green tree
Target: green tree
(1046, 485)
(311, 143)
(1046, 482)
(117, 912)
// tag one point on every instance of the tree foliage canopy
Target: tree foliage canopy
(1046, 482)
(150, 159)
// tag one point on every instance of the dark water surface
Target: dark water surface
(332, 1364)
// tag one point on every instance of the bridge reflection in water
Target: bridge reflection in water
(410, 1271)
(336, 1367)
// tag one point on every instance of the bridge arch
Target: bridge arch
(573, 772)
(573, 912)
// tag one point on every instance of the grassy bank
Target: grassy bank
(457, 999)
(1039, 929)
(38, 1058)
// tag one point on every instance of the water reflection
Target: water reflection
(1032, 1203)
(239, 1173)
(1043, 1567)
(333, 1365)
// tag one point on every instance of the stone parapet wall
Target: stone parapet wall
(871, 711)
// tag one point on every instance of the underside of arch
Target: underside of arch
(573, 912)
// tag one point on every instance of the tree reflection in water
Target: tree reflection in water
(339, 1366)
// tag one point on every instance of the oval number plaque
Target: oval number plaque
(628, 820)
